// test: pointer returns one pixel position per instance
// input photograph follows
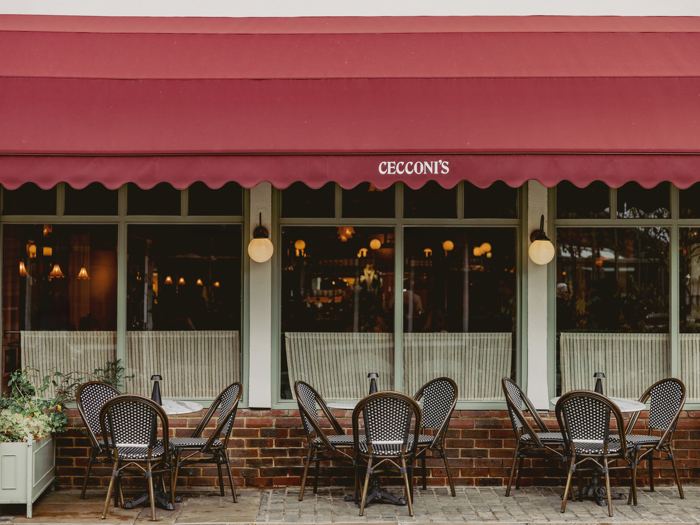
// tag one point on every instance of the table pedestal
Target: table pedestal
(375, 492)
(598, 493)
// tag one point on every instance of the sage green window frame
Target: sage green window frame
(399, 223)
(122, 220)
(674, 223)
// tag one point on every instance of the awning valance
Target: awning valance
(318, 100)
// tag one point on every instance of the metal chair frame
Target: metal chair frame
(219, 455)
(528, 441)
(376, 458)
(320, 446)
(436, 442)
(158, 465)
(98, 453)
(665, 440)
(599, 459)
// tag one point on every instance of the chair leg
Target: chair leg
(650, 462)
(520, 472)
(364, 490)
(318, 468)
(117, 488)
(449, 473)
(675, 472)
(568, 484)
(173, 476)
(512, 469)
(607, 486)
(408, 488)
(87, 475)
(580, 486)
(306, 471)
(422, 469)
(150, 491)
(221, 479)
(115, 469)
(230, 477)
(632, 498)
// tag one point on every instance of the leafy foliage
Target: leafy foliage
(113, 374)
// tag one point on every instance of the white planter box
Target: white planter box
(26, 470)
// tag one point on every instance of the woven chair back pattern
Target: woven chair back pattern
(194, 364)
(387, 420)
(666, 398)
(438, 397)
(476, 361)
(133, 423)
(92, 397)
(586, 418)
(228, 398)
(337, 364)
(515, 411)
(307, 398)
(631, 362)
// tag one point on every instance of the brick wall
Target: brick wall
(267, 449)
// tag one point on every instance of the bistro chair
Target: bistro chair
(666, 399)
(214, 448)
(90, 398)
(528, 441)
(320, 444)
(130, 426)
(584, 419)
(389, 440)
(439, 400)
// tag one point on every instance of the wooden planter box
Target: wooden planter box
(26, 470)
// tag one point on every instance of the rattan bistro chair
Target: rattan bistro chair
(666, 399)
(389, 439)
(130, 426)
(90, 398)
(320, 444)
(211, 450)
(439, 400)
(528, 441)
(584, 418)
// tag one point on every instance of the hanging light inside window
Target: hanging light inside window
(428, 252)
(541, 250)
(168, 280)
(199, 282)
(31, 250)
(181, 281)
(82, 274)
(56, 272)
(299, 247)
(375, 244)
(448, 246)
(217, 284)
(260, 248)
(22, 269)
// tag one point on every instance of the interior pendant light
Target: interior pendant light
(22, 269)
(82, 274)
(56, 272)
(168, 280)
(260, 248)
(541, 250)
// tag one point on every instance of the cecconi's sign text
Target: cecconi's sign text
(433, 167)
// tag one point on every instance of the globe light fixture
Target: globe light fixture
(299, 247)
(375, 244)
(541, 250)
(260, 248)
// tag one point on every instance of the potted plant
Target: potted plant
(29, 421)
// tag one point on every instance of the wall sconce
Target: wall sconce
(260, 248)
(485, 248)
(477, 251)
(22, 269)
(47, 251)
(375, 244)
(541, 250)
(31, 250)
(299, 247)
(168, 280)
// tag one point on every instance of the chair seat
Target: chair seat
(193, 442)
(389, 449)
(339, 440)
(586, 447)
(545, 437)
(141, 452)
(639, 440)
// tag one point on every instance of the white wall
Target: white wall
(283, 8)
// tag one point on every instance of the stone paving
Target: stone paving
(472, 505)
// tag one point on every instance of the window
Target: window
(180, 294)
(449, 294)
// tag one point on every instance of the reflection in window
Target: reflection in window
(689, 296)
(636, 202)
(612, 308)
(162, 199)
(459, 308)
(184, 308)
(203, 200)
(689, 202)
(60, 292)
(591, 202)
(337, 308)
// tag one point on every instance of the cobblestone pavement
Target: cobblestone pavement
(472, 505)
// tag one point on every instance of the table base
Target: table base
(598, 493)
(161, 496)
(375, 492)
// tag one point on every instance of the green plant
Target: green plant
(27, 409)
(113, 374)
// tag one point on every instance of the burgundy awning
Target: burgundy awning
(148, 100)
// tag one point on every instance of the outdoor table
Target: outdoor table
(594, 489)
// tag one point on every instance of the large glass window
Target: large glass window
(59, 297)
(449, 295)
(184, 308)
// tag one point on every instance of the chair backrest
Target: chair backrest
(439, 400)
(387, 418)
(227, 403)
(131, 420)
(585, 417)
(517, 402)
(307, 399)
(666, 399)
(90, 398)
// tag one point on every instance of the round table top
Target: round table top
(349, 404)
(625, 405)
(173, 407)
